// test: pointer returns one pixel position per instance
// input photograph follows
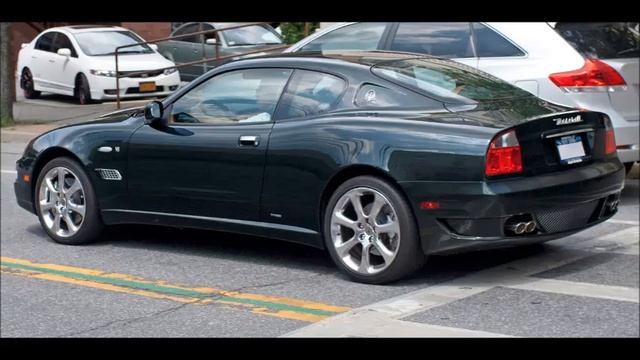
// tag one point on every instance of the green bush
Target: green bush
(293, 32)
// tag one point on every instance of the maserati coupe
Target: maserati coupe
(380, 158)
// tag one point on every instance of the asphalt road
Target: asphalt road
(153, 281)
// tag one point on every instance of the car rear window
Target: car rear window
(447, 81)
(602, 40)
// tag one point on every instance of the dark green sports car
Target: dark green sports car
(380, 158)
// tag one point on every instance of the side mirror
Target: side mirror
(211, 41)
(64, 52)
(154, 47)
(153, 112)
(24, 45)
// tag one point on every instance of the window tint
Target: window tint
(187, 30)
(448, 81)
(602, 40)
(45, 42)
(491, 44)
(360, 36)
(380, 97)
(61, 42)
(449, 40)
(241, 96)
(310, 93)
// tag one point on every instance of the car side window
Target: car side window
(448, 40)
(310, 93)
(491, 44)
(374, 96)
(191, 28)
(240, 96)
(360, 36)
(45, 42)
(61, 42)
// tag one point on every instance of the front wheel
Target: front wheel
(370, 232)
(82, 90)
(66, 203)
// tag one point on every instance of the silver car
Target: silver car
(198, 47)
(582, 65)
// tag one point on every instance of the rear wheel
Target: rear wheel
(27, 85)
(628, 166)
(370, 232)
(66, 203)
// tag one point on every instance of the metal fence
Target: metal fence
(217, 58)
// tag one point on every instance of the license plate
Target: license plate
(570, 149)
(147, 86)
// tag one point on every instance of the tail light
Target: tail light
(504, 155)
(609, 137)
(595, 75)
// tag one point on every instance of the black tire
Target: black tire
(82, 90)
(92, 225)
(628, 166)
(409, 257)
(27, 85)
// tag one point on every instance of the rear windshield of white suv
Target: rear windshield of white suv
(602, 40)
(447, 81)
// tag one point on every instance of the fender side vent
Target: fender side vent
(109, 174)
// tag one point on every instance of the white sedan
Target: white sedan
(79, 61)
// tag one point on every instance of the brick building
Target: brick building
(24, 32)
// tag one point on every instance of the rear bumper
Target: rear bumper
(474, 215)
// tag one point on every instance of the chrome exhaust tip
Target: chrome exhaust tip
(518, 228)
(530, 226)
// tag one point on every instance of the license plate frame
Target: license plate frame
(147, 86)
(570, 149)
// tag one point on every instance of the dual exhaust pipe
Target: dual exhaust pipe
(523, 227)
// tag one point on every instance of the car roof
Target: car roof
(75, 29)
(365, 58)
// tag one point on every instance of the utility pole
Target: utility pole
(6, 78)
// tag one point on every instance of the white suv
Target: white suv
(581, 65)
(79, 61)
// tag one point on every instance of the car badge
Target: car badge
(370, 96)
(568, 120)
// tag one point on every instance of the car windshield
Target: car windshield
(96, 43)
(602, 40)
(447, 81)
(250, 35)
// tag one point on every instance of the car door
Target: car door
(209, 160)
(184, 50)
(449, 40)
(40, 62)
(63, 69)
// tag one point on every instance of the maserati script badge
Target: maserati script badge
(568, 120)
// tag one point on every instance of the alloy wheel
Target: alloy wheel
(62, 202)
(365, 231)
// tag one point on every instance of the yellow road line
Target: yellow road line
(283, 307)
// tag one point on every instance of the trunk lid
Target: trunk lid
(625, 101)
(549, 135)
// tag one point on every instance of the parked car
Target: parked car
(199, 47)
(380, 158)
(581, 65)
(79, 61)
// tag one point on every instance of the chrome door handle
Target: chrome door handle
(51, 61)
(247, 140)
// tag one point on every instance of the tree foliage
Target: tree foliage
(293, 32)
